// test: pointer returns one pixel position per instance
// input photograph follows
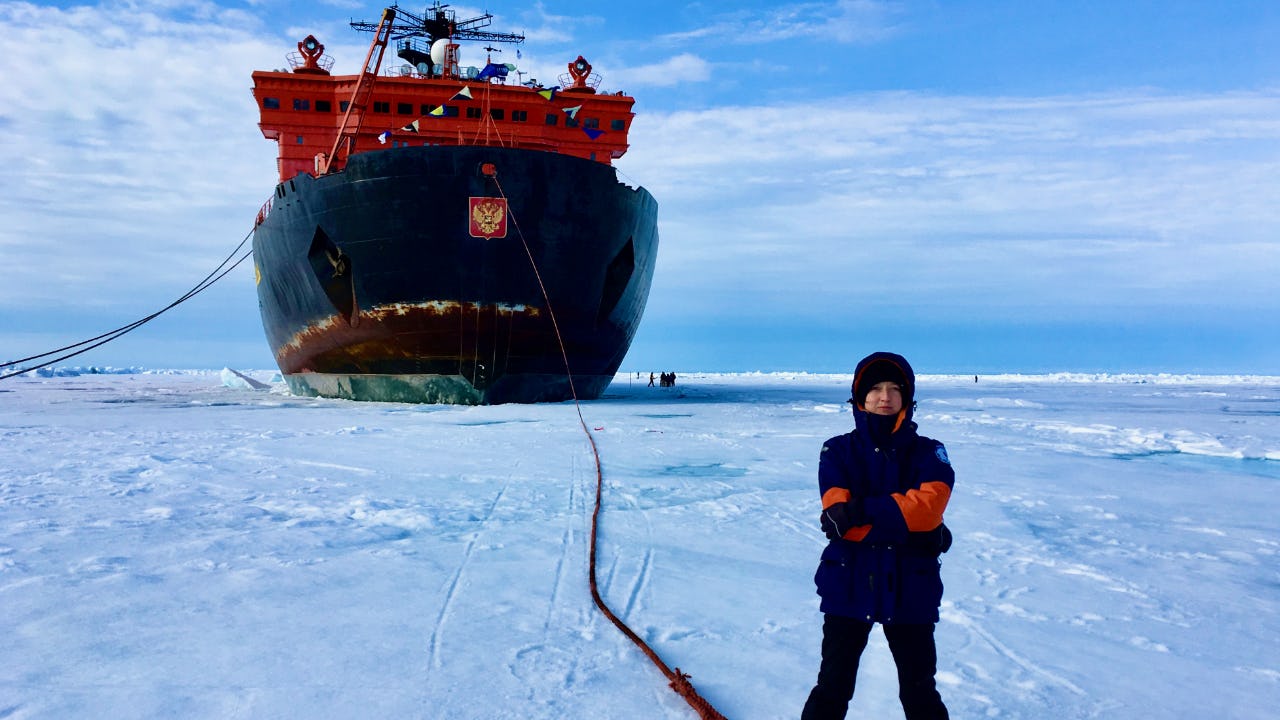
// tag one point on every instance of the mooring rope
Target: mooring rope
(678, 681)
(93, 342)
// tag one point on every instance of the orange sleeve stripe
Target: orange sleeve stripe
(856, 534)
(835, 495)
(922, 508)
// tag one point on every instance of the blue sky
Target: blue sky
(982, 186)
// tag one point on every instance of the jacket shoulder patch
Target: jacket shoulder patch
(941, 453)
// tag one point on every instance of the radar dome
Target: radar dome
(437, 51)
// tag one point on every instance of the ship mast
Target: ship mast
(439, 23)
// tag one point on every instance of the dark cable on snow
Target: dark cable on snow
(86, 345)
(677, 680)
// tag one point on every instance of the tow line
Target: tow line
(93, 342)
(678, 681)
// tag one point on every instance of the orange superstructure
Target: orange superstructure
(430, 100)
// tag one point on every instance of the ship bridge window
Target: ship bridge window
(570, 122)
(299, 139)
(618, 125)
(590, 122)
(270, 103)
(404, 109)
(426, 109)
(300, 104)
(519, 115)
(473, 112)
(324, 106)
(381, 107)
(343, 105)
(497, 113)
(552, 119)
(450, 110)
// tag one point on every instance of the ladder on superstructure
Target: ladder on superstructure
(353, 119)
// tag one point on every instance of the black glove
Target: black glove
(932, 542)
(837, 519)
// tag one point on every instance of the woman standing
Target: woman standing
(884, 489)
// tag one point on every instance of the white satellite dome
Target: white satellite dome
(437, 51)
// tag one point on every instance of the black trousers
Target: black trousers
(843, 640)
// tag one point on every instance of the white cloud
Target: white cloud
(681, 68)
(544, 27)
(1064, 201)
(845, 21)
(138, 138)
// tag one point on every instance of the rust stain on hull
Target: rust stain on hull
(448, 337)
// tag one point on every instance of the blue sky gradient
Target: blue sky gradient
(983, 186)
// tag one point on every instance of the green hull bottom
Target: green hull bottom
(446, 389)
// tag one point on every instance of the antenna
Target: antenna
(440, 22)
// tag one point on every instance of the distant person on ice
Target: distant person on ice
(884, 489)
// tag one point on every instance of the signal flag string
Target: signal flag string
(679, 681)
(86, 345)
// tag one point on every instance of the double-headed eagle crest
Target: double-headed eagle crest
(488, 217)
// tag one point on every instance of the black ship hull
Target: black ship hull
(374, 286)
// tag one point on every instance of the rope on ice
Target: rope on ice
(678, 680)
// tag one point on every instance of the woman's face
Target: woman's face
(885, 398)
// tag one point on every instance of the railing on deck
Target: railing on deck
(592, 80)
(263, 212)
(296, 61)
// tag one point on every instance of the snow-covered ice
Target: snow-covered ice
(181, 544)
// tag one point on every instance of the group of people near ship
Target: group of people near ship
(666, 379)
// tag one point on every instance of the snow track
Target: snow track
(452, 586)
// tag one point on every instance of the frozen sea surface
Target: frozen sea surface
(173, 545)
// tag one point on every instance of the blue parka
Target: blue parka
(886, 570)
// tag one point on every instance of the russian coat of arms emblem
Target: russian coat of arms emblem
(488, 217)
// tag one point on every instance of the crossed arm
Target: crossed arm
(884, 518)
